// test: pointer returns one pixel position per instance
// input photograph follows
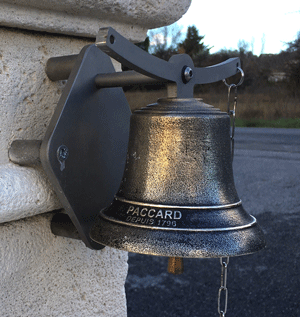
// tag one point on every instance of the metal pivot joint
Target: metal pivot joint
(145, 68)
(179, 69)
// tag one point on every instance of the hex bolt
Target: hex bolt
(187, 74)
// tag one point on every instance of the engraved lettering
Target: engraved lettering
(143, 212)
(151, 213)
(136, 211)
(159, 214)
(164, 217)
(168, 213)
(131, 208)
(177, 214)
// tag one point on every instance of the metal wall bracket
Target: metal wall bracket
(85, 146)
(146, 68)
(179, 69)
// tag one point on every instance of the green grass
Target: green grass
(261, 123)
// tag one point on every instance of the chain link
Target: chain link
(223, 287)
(232, 113)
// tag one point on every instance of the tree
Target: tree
(167, 41)
(243, 46)
(263, 43)
(293, 66)
(164, 41)
(193, 46)
(144, 45)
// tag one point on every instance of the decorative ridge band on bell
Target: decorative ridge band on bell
(156, 211)
(177, 197)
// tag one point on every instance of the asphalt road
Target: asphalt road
(267, 178)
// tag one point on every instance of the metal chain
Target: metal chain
(223, 287)
(232, 113)
(224, 264)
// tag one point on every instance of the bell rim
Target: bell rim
(236, 243)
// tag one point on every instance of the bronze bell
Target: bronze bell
(177, 197)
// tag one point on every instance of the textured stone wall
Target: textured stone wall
(28, 100)
(85, 17)
(44, 275)
(41, 274)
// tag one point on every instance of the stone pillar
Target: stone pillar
(41, 274)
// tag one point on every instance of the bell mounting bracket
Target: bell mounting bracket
(84, 149)
(179, 69)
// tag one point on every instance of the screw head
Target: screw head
(187, 74)
(62, 153)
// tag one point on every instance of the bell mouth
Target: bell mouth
(178, 231)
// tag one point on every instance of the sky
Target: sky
(224, 23)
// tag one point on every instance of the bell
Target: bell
(177, 197)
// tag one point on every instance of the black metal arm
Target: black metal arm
(146, 68)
